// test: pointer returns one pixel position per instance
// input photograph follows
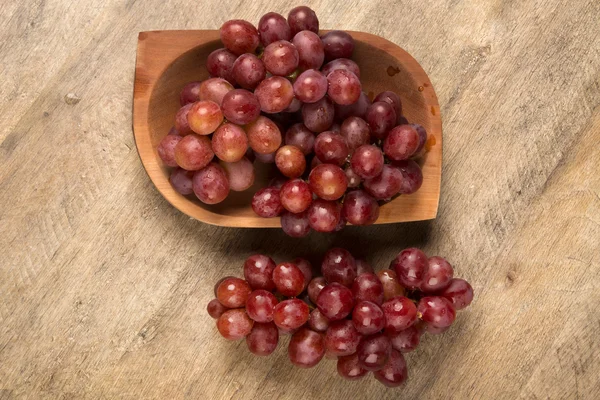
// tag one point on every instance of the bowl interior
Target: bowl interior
(381, 69)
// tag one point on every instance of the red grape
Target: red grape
(341, 63)
(381, 118)
(356, 132)
(248, 71)
(289, 279)
(374, 351)
(323, 215)
(281, 58)
(215, 308)
(303, 18)
(394, 100)
(166, 150)
(317, 321)
(306, 268)
(204, 117)
(240, 106)
(335, 301)
(264, 135)
(341, 338)
(353, 179)
(300, 136)
(219, 282)
(386, 185)
(362, 266)
(331, 148)
(306, 348)
(273, 27)
(368, 318)
(295, 225)
(367, 287)
(291, 314)
(220, 64)
(367, 161)
(400, 313)
(357, 109)
(401, 142)
(339, 266)
(193, 152)
(260, 305)
(310, 86)
(190, 93)
(412, 176)
(230, 142)
(263, 339)
(318, 116)
(394, 372)
(310, 48)
(328, 181)
(239, 36)
(338, 44)
(181, 121)
(214, 89)
(437, 276)
(234, 324)
(314, 288)
(407, 340)
(290, 161)
(295, 195)
(274, 94)
(360, 208)
(349, 368)
(181, 180)
(266, 202)
(436, 311)
(422, 136)
(459, 292)
(410, 265)
(210, 184)
(258, 271)
(391, 284)
(344, 87)
(233, 292)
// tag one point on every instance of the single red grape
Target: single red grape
(220, 64)
(381, 118)
(215, 308)
(281, 58)
(190, 93)
(260, 305)
(275, 94)
(331, 148)
(368, 318)
(349, 368)
(385, 185)
(166, 150)
(248, 71)
(391, 284)
(295, 195)
(360, 208)
(436, 311)
(288, 279)
(367, 287)
(405, 341)
(295, 225)
(291, 314)
(310, 86)
(318, 116)
(374, 351)
(338, 44)
(323, 215)
(356, 131)
(400, 313)
(438, 275)
(306, 348)
(335, 301)
(341, 338)
(240, 106)
(273, 27)
(314, 288)
(239, 36)
(317, 321)
(412, 176)
(230, 142)
(311, 52)
(266, 202)
(393, 99)
(263, 135)
(394, 372)
(181, 121)
(303, 18)
(339, 266)
(290, 161)
(263, 339)
(193, 152)
(234, 324)
(210, 184)
(233, 292)
(459, 292)
(181, 180)
(328, 181)
(214, 89)
(258, 271)
(300, 136)
(344, 87)
(401, 142)
(410, 266)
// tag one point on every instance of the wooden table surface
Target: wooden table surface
(103, 285)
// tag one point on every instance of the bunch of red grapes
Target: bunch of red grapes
(283, 94)
(365, 320)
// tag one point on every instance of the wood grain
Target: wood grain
(103, 284)
(167, 60)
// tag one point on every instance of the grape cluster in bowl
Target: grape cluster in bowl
(282, 94)
(366, 321)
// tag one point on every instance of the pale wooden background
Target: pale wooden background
(103, 284)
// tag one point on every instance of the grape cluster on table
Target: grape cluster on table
(283, 94)
(365, 320)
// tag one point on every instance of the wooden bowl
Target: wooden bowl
(167, 60)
